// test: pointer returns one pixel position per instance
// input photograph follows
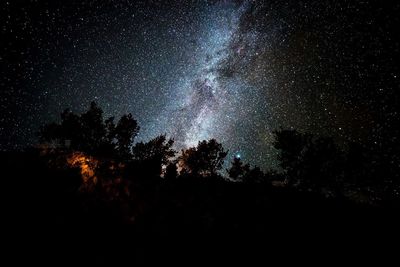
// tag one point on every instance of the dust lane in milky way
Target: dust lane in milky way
(207, 105)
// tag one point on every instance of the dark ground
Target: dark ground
(186, 220)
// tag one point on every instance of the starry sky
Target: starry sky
(233, 70)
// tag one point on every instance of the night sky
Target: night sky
(230, 70)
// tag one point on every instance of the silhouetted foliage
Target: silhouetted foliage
(205, 159)
(310, 163)
(125, 131)
(112, 181)
(171, 171)
(51, 132)
(155, 153)
(158, 148)
(238, 170)
(291, 145)
(359, 171)
(254, 175)
(93, 130)
(89, 133)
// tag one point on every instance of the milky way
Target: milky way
(207, 105)
(230, 70)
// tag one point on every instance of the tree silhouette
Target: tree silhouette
(205, 159)
(171, 171)
(290, 144)
(238, 170)
(128, 186)
(155, 153)
(322, 165)
(71, 128)
(125, 132)
(255, 175)
(109, 144)
(158, 148)
(89, 133)
(51, 132)
(310, 163)
(242, 172)
(93, 129)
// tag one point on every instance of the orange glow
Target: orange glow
(86, 164)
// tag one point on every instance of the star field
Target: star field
(230, 70)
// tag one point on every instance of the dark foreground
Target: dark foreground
(186, 220)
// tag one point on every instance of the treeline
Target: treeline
(88, 170)
(89, 174)
(307, 163)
